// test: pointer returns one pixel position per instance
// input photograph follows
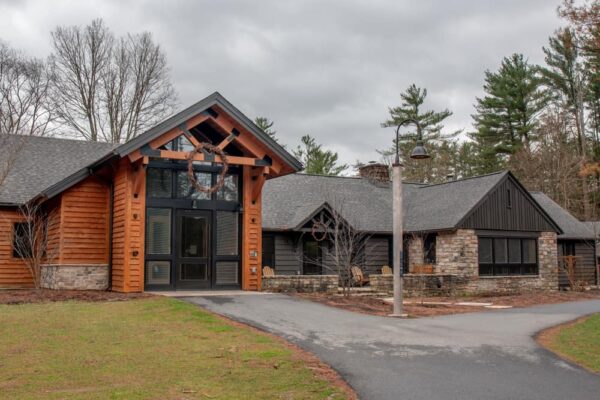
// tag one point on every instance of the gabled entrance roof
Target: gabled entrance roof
(45, 167)
(206, 105)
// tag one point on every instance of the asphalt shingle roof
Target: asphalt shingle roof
(572, 228)
(289, 200)
(41, 162)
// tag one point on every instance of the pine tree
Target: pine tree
(506, 117)
(267, 126)
(316, 160)
(430, 121)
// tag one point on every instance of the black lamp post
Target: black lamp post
(419, 153)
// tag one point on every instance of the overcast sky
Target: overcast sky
(326, 68)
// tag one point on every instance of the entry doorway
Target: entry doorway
(192, 252)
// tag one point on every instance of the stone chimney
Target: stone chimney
(375, 172)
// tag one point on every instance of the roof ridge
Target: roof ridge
(58, 138)
(466, 179)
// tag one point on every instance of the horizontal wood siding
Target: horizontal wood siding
(494, 212)
(13, 272)
(129, 209)
(377, 254)
(84, 229)
(586, 267)
(119, 222)
(54, 233)
(287, 255)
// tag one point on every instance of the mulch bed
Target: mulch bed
(376, 306)
(24, 296)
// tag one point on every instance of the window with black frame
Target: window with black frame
(507, 256)
(429, 248)
(268, 251)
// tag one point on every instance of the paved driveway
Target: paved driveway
(489, 355)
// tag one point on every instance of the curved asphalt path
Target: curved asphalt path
(487, 355)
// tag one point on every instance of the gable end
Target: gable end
(509, 207)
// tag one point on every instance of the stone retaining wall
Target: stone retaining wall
(75, 277)
(300, 283)
(421, 284)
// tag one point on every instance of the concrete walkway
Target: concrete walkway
(489, 355)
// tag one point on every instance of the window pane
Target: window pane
(229, 191)
(158, 272)
(186, 190)
(194, 236)
(268, 251)
(485, 251)
(500, 251)
(227, 272)
(192, 272)
(486, 269)
(159, 182)
(429, 248)
(529, 253)
(514, 251)
(22, 240)
(158, 231)
(227, 233)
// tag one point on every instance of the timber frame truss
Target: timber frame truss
(224, 124)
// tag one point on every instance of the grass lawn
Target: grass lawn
(154, 348)
(578, 342)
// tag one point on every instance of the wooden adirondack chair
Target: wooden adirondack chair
(358, 277)
(268, 271)
(386, 270)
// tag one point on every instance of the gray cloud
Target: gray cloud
(328, 68)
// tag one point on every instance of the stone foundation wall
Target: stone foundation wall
(75, 277)
(415, 285)
(300, 283)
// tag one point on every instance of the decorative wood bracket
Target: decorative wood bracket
(259, 181)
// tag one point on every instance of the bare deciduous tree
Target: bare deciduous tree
(31, 240)
(24, 108)
(109, 89)
(24, 86)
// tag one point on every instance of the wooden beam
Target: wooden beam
(228, 139)
(246, 140)
(172, 134)
(258, 183)
(189, 135)
(179, 155)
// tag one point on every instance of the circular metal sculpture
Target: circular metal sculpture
(319, 227)
(207, 147)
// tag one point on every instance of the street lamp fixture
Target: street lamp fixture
(418, 153)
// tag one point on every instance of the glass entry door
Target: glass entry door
(192, 253)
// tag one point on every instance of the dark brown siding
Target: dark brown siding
(497, 213)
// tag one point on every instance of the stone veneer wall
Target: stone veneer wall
(75, 277)
(457, 254)
(300, 283)
(421, 284)
(416, 255)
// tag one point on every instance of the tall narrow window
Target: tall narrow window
(268, 251)
(158, 231)
(508, 198)
(21, 242)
